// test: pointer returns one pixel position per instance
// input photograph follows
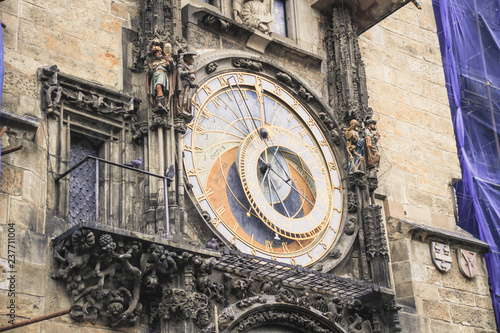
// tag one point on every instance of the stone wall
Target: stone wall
(407, 90)
(84, 39)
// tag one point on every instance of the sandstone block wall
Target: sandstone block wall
(407, 90)
(84, 39)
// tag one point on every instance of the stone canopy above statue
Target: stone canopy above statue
(364, 13)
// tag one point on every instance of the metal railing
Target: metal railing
(98, 184)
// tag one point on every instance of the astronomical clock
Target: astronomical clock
(263, 170)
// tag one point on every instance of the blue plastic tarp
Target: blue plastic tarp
(469, 34)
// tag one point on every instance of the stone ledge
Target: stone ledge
(422, 232)
(256, 40)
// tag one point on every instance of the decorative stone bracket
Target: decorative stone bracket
(116, 275)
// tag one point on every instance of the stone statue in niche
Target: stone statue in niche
(184, 82)
(159, 76)
(53, 91)
(256, 14)
(354, 145)
(372, 153)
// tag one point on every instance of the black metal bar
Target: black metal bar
(64, 174)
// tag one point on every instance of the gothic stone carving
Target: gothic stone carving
(346, 72)
(91, 98)
(285, 78)
(211, 67)
(248, 64)
(155, 22)
(115, 278)
(219, 23)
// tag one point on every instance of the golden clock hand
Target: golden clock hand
(246, 105)
(260, 97)
(277, 194)
(293, 188)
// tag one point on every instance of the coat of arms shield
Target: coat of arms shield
(467, 263)
(441, 256)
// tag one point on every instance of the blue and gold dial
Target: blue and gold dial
(262, 169)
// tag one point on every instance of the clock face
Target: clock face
(262, 169)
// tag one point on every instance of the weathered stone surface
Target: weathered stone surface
(12, 180)
(32, 188)
(454, 296)
(484, 302)
(31, 278)
(479, 318)
(31, 248)
(27, 306)
(24, 215)
(4, 208)
(436, 310)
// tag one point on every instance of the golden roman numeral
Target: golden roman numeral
(290, 117)
(200, 130)
(207, 89)
(241, 79)
(295, 105)
(244, 94)
(269, 246)
(196, 149)
(229, 96)
(223, 81)
(285, 248)
(251, 240)
(303, 132)
(220, 210)
(311, 122)
(235, 227)
(278, 90)
(206, 114)
(197, 106)
(216, 103)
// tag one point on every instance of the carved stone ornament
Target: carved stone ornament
(156, 22)
(212, 20)
(248, 64)
(467, 263)
(285, 78)
(88, 97)
(116, 277)
(211, 67)
(441, 256)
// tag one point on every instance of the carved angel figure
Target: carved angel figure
(257, 14)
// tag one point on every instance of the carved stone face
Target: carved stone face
(115, 309)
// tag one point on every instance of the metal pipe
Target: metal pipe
(165, 202)
(97, 191)
(34, 320)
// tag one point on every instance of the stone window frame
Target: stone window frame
(77, 107)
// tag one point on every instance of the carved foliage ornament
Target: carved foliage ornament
(91, 98)
(115, 278)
